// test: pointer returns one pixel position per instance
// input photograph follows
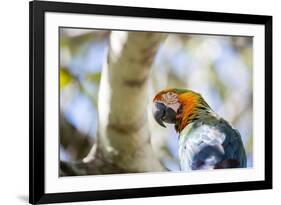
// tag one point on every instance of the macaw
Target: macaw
(206, 141)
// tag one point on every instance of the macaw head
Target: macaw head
(179, 107)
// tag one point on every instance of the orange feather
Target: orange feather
(189, 103)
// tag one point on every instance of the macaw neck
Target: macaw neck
(183, 134)
(191, 110)
(204, 117)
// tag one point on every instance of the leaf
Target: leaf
(75, 43)
(249, 144)
(94, 77)
(65, 78)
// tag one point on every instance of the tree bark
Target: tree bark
(123, 140)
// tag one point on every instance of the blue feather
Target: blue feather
(211, 144)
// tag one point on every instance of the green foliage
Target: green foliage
(94, 77)
(249, 145)
(65, 78)
(74, 43)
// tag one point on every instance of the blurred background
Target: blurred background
(218, 67)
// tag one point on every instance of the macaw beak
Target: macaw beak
(162, 113)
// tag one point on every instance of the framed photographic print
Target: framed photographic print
(140, 102)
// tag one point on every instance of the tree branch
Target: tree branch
(123, 143)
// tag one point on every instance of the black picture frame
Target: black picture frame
(37, 11)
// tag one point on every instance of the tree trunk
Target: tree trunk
(123, 140)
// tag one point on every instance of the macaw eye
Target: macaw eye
(169, 95)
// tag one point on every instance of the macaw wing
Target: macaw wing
(210, 147)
